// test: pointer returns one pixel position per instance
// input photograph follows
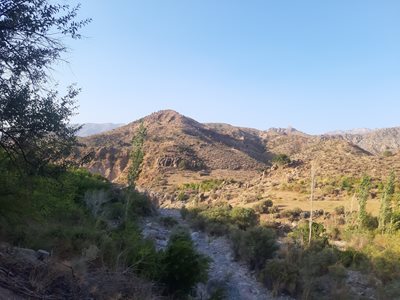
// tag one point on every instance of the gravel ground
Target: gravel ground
(233, 276)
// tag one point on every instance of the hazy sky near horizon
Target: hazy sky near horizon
(314, 65)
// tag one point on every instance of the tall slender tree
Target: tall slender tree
(385, 212)
(362, 196)
(137, 155)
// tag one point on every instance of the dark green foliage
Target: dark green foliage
(182, 196)
(254, 246)
(347, 184)
(54, 213)
(386, 266)
(352, 258)
(34, 120)
(244, 217)
(370, 222)
(220, 219)
(362, 196)
(264, 206)
(204, 186)
(386, 210)
(169, 222)
(318, 234)
(281, 159)
(182, 266)
(137, 155)
(340, 210)
(220, 214)
(32, 36)
(281, 276)
(292, 214)
(139, 204)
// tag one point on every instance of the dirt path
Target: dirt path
(224, 272)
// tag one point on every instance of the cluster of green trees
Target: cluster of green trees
(388, 219)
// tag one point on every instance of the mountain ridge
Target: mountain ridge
(178, 146)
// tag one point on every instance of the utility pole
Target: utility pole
(311, 200)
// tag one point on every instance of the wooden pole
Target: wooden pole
(312, 201)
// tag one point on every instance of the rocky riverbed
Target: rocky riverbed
(225, 273)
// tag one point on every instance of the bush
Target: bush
(387, 153)
(340, 210)
(263, 207)
(182, 196)
(244, 217)
(318, 234)
(169, 222)
(220, 214)
(254, 246)
(280, 276)
(281, 159)
(292, 214)
(352, 258)
(182, 266)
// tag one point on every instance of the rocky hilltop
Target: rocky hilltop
(175, 142)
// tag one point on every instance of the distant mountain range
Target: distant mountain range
(351, 131)
(96, 128)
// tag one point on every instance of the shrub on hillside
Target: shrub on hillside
(254, 246)
(340, 210)
(318, 234)
(263, 207)
(387, 153)
(281, 276)
(168, 221)
(281, 159)
(292, 214)
(244, 217)
(182, 266)
(219, 214)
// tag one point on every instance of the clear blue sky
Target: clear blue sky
(314, 65)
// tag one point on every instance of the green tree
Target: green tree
(34, 119)
(137, 155)
(362, 196)
(182, 266)
(385, 212)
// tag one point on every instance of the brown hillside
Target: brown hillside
(174, 142)
(181, 150)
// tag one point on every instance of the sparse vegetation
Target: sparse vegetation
(281, 159)
(204, 186)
